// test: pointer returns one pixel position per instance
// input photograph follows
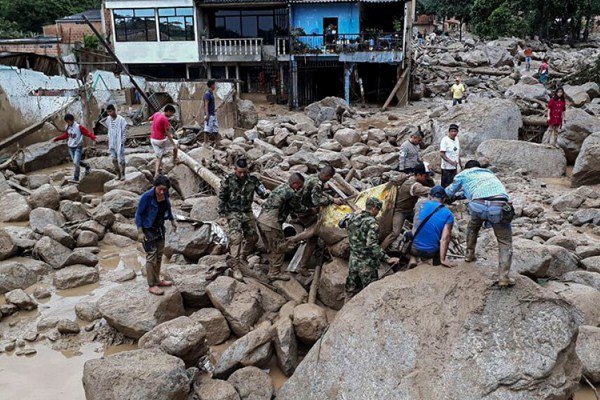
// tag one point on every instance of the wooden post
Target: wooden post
(207, 175)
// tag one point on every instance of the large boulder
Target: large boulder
(541, 261)
(94, 181)
(20, 299)
(252, 383)
(539, 160)
(239, 303)
(480, 120)
(75, 276)
(138, 374)
(190, 280)
(583, 298)
(588, 351)
(42, 155)
(286, 345)
(13, 207)
(498, 56)
(74, 211)
(214, 389)
(525, 91)
(23, 236)
(40, 217)
(52, 252)
(483, 343)
(185, 181)
(7, 247)
(205, 209)
(214, 323)
(133, 311)
(325, 109)
(310, 322)
(581, 94)
(121, 202)
(577, 127)
(192, 242)
(474, 58)
(347, 137)
(247, 116)
(134, 181)
(45, 196)
(180, 337)
(587, 166)
(20, 273)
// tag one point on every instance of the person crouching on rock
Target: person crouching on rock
(74, 134)
(365, 253)
(154, 207)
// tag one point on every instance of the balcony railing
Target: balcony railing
(231, 47)
(338, 43)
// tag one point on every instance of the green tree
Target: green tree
(31, 15)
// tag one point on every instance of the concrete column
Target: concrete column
(237, 77)
(294, 91)
(208, 72)
(187, 71)
(347, 72)
(226, 72)
(281, 79)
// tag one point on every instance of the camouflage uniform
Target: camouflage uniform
(235, 204)
(365, 253)
(280, 204)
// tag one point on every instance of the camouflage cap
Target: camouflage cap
(374, 202)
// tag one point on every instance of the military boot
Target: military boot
(122, 172)
(117, 168)
(504, 262)
(276, 275)
(471, 244)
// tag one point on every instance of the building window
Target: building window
(265, 24)
(176, 24)
(135, 25)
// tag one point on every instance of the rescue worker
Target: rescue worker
(407, 195)
(488, 203)
(235, 209)
(283, 201)
(365, 253)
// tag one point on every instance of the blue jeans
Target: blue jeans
(76, 153)
(457, 101)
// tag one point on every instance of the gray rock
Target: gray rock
(587, 166)
(133, 311)
(87, 311)
(567, 201)
(95, 180)
(525, 91)
(52, 252)
(205, 209)
(87, 239)
(587, 278)
(581, 94)
(247, 116)
(59, 235)
(291, 290)
(122, 202)
(392, 339)
(145, 373)
(42, 155)
(134, 182)
(180, 337)
(73, 211)
(75, 276)
(190, 281)
(332, 283)
(185, 181)
(121, 275)
(325, 109)
(588, 351)
(587, 215)
(191, 242)
(37, 180)
(13, 207)
(123, 229)
(214, 389)
(7, 247)
(582, 297)
(103, 215)
(252, 383)
(577, 127)
(286, 345)
(45, 196)
(480, 121)
(40, 217)
(539, 160)
(587, 251)
(310, 322)
(67, 327)
(347, 137)
(591, 263)
(541, 261)
(214, 323)
(22, 300)
(22, 236)
(20, 273)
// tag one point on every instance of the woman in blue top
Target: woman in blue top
(154, 207)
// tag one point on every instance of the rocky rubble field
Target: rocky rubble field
(427, 333)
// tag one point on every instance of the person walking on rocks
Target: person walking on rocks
(409, 152)
(117, 133)
(555, 115)
(161, 138)
(432, 230)
(235, 209)
(459, 91)
(408, 192)
(489, 203)
(450, 153)
(74, 134)
(152, 211)
(365, 253)
(211, 125)
(528, 53)
(544, 71)
(283, 201)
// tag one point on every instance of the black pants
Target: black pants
(447, 177)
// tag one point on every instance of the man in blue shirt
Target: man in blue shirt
(154, 207)
(431, 240)
(211, 125)
(488, 203)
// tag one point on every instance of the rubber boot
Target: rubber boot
(122, 172)
(117, 168)
(504, 263)
(276, 275)
(471, 244)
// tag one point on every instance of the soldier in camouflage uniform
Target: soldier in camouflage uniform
(235, 208)
(283, 201)
(365, 253)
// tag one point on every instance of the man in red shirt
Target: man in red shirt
(161, 138)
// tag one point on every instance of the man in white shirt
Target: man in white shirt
(117, 133)
(450, 152)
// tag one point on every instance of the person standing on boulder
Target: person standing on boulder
(161, 138)
(74, 134)
(283, 201)
(117, 133)
(152, 211)
(211, 125)
(450, 153)
(459, 91)
(528, 53)
(235, 210)
(555, 115)
(365, 253)
(490, 204)
(409, 152)
(544, 71)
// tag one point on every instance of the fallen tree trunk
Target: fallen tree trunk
(488, 71)
(344, 186)
(207, 175)
(532, 120)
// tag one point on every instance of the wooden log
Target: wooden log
(488, 71)
(350, 175)
(533, 120)
(312, 294)
(347, 188)
(207, 175)
(18, 187)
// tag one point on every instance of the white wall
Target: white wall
(156, 52)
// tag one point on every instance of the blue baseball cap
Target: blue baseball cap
(438, 192)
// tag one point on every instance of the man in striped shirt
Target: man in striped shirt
(409, 153)
(488, 203)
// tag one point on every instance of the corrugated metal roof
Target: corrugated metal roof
(92, 15)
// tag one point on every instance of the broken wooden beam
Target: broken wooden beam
(532, 120)
(344, 186)
(207, 175)
(488, 71)
(312, 294)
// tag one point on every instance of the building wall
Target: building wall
(46, 49)
(309, 17)
(154, 52)
(71, 32)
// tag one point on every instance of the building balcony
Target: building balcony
(231, 50)
(359, 47)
